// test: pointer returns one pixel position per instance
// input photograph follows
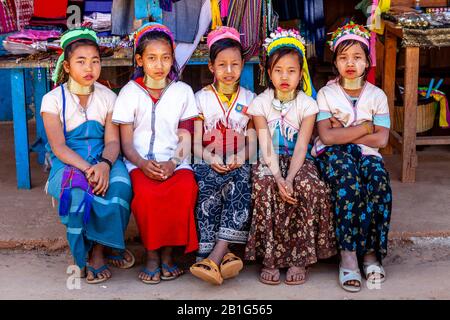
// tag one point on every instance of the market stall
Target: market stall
(414, 30)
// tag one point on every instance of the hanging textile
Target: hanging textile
(50, 9)
(224, 6)
(166, 5)
(314, 24)
(215, 15)
(24, 12)
(371, 9)
(245, 16)
(7, 16)
(288, 9)
(184, 51)
(144, 9)
(122, 17)
(183, 20)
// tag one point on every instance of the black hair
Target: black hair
(276, 56)
(174, 73)
(224, 44)
(69, 50)
(344, 45)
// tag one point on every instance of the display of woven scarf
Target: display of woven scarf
(24, 12)
(7, 16)
(245, 16)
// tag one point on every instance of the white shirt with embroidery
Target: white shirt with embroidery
(371, 105)
(214, 111)
(290, 119)
(155, 126)
(100, 103)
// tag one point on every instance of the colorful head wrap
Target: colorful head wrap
(68, 38)
(152, 27)
(350, 31)
(222, 33)
(291, 38)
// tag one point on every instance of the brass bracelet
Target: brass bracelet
(368, 127)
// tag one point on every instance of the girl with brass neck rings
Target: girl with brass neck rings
(292, 221)
(87, 174)
(353, 124)
(155, 112)
(222, 147)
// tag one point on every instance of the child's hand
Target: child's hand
(286, 190)
(98, 178)
(168, 167)
(218, 166)
(335, 123)
(152, 169)
(234, 162)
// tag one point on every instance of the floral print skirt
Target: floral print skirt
(283, 235)
(361, 196)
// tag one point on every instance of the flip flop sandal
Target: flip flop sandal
(296, 282)
(208, 271)
(370, 269)
(95, 273)
(166, 267)
(151, 274)
(121, 256)
(230, 266)
(270, 282)
(346, 275)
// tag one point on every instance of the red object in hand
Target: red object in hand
(50, 9)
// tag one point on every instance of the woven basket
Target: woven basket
(426, 113)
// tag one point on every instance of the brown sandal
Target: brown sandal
(230, 266)
(208, 271)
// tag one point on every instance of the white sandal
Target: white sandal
(370, 269)
(346, 275)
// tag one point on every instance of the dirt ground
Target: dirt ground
(415, 270)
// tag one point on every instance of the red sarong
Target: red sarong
(164, 211)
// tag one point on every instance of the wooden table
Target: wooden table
(408, 141)
(41, 87)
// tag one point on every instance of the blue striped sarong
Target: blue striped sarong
(109, 214)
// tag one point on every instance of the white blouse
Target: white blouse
(155, 125)
(372, 106)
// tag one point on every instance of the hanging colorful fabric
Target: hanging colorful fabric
(50, 9)
(224, 6)
(146, 9)
(215, 15)
(24, 12)
(245, 16)
(7, 16)
(166, 5)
